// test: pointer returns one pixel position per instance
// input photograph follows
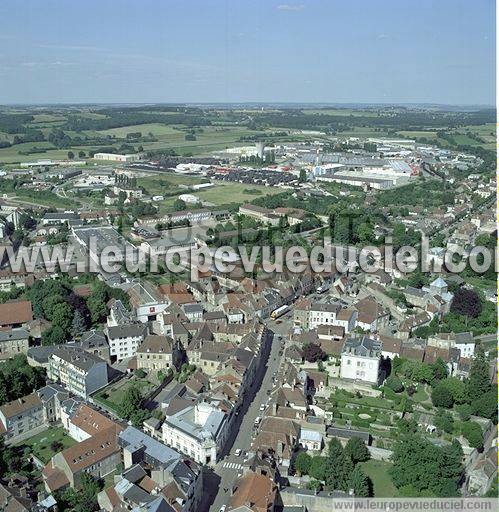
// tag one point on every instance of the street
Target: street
(229, 468)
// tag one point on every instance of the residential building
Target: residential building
(98, 455)
(22, 417)
(125, 339)
(464, 341)
(322, 314)
(253, 492)
(13, 342)
(80, 372)
(157, 352)
(360, 359)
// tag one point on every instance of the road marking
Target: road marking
(232, 465)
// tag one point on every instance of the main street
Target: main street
(229, 468)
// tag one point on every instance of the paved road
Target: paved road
(229, 467)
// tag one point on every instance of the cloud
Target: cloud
(291, 7)
(382, 36)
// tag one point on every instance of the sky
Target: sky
(227, 51)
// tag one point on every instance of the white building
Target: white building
(125, 339)
(112, 157)
(81, 373)
(360, 359)
(199, 431)
(322, 314)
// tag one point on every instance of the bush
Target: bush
(140, 373)
(394, 383)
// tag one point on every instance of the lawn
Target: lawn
(40, 444)
(112, 395)
(377, 471)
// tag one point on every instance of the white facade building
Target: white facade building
(360, 359)
(125, 339)
(199, 431)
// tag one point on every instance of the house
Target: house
(322, 314)
(15, 314)
(360, 359)
(344, 434)
(21, 418)
(253, 492)
(464, 341)
(371, 315)
(157, 352)
(52, 397)
(194, 312)
(391, 347)
(82, 373)
(82, 421)
(483, 474)
(95, 342)
(198, 430)
(118, 314)
(13, 342)
(124, 339)
(346, 318)
(278, 437)
(311, 439)
(98, 455)
(13, 500)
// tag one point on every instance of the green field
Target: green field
(40, 444)
(377, 471)
(418, 134)
(223, 193)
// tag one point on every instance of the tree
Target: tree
(467, 303)
(357, 450)
(478, 382)
(303, 462)
(303, 176)
(62, 316)
(444, 421)
(465, 411)
(456, 387)
(317, 468)
(439, 368)
(359, 482)
(472, 432)
(130, 406)
(54, 335)
(78, 325)
(442, 397)
(394, 383)
(486, 406)
(179, 205)
(426, 468)
(81, 154)
(71, 155)
(97, 307)
(313, 353)
(338, 467)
